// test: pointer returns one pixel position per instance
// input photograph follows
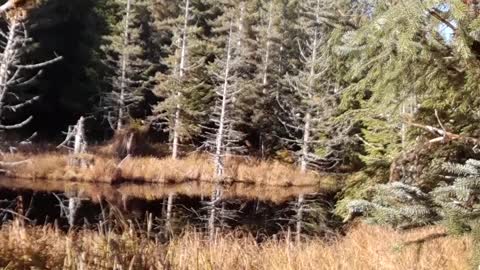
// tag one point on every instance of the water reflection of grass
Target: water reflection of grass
(113, 193)
(364, 247)
(55, 166)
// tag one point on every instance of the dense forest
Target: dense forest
(382, 96)
(337, 86)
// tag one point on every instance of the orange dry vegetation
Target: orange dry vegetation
(112, 193)
(364, 247)
(55, 166)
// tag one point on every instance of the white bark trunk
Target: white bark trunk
(7, 59)
(219, 142)
(267, 46)
(308, 116)
(183, 60)
(240, 25)
(307, 130)
(79, 144)
(125, 58)
(305, 143)
(221, 126)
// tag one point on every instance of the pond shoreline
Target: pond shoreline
(57, 166)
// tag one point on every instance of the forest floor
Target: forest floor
(363, 247)
(109, 169)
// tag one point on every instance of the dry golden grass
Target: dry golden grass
(55, 166)
(364, 247)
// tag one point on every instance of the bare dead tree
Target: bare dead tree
(223, 138)
(268, 45)
(15, 75)
(308, 109)
(181, 75)
(75, 141)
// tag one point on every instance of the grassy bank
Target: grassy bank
(364, 247)
(55, 166)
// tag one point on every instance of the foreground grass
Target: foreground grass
(364, 247)
(55, 166)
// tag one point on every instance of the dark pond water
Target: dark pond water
(260, 210)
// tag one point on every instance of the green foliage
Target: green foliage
(359, 186)
(183, 90)
(400, 205)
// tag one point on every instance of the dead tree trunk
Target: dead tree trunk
(266, 61)
(307, 127)
(124, 66)
(220, 143)
(76, 143)
(219, 155)
(79, 145)
(14, 46)
(181, 74)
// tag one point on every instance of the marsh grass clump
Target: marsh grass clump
(125, 246)
(150, 169)
(475, 260)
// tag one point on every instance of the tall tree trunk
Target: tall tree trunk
(307, 129)
(181, 74)
(7, 59)
(125, 58)
(267, 47)
(219, 142)
(305, 143)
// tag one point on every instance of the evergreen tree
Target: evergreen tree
(182, 86)
(455, 203)
(242, 15)
(269, 71)
(403, 55)
(125, 57)
(308, 110)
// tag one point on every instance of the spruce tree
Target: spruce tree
(182, 87)
(308, 107)
(404, 59)
(454, 202)
(124, 53)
